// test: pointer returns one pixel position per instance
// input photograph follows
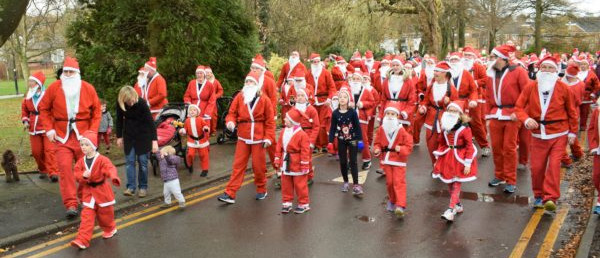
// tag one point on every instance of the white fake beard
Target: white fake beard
(316, 70)
(249, 92)
(438, 90)
(71, 85)
(293, 61)
(429, 72)
(355, 87)
(491, 72)
(456, 69)
(468, 64)
(301, 107)
(582, 75)
(32, 92)
(342, 68)
(299, 85)
(367, 85)
(335, 104)
(390, 125)
(384, 70)
(449, 120)
(369, 63)
(142, 80)
(546, 81)
(564, 79)
(396, 82)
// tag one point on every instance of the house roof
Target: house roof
(588, 24)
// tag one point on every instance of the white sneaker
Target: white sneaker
(449, 214)
(458, 208)
(485, 152)
(521, 167)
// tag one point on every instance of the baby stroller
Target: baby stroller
(224, 104)
(168, 123)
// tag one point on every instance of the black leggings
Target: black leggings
(343, 149)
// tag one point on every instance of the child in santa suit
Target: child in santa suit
(366, 81)
(293, 160)
(594, 143)
(577, 89)
(197, 131)
(94, 173)
(456, 155)
(41, 147)
(287, 96)
(392, 145)
(309, 122)
(363, 103)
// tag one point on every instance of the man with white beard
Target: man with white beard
(289, 66)
(425, 79)
(592, 86)
(324, 90)
(268, 89)
(252, 114)
(546, 108)
(363, 103)
(70, 107)
(382, 72)
(340, 72)
(370, 63)
(152, 88)
(477, 70)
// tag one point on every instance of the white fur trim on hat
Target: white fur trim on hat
(36, 80)
(394, 109)
(150, 67)
(452, 104)
(257, 65)
(498, 54)
(251, 78)
(437, 69)
(201, 70)
(89, 141)
(291, 120)
(66, 68)
(194, 106)
(550, 63)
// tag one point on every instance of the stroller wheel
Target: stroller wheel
(221, 139)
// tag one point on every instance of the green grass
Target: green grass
(8, 87)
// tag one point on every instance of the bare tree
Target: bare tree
(494, 14)
(546, 8)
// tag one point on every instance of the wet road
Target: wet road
(338, 224)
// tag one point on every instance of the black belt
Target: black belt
(95, 184)
(506, 106)
(252, 122)
(463, 96)
(547, 122)
(307, 128)
(397, 99)
(386, 149)
(322, 95)
(70, 120)
(34, 113)
(456, 147)
(196, 138)
(287, 160)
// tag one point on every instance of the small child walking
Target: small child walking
(456, 156)
(594, 146)
(197, 131)
(393, 144)
(105, 129)
(94, 173)
(345, 127)
(293, 158)
(168, 162)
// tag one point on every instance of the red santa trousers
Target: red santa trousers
(297, 184)
(454, 190)
(66, 154)
(596, 175)
(203, 153)
(44, 154)
(395, 181)
(284, 110)
(416, 127)
(370, 129)
(545, 167)
(478, 126)
(240, 163)
(366, 152)
(213, 121)
(106, 221)
(524, 142)
(584, 111)
(504, 136)
(271, 151)
(432, 143)
(106, 138)
(324, 126)
(576, 150)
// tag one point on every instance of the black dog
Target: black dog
(9, 164)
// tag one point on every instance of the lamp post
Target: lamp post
(15, 74)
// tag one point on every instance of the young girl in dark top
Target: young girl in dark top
(345, 126)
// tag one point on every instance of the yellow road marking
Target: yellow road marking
(548, 244)
(519, 248)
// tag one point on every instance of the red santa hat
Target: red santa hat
(431, 59)
(339, 59)
(71, 64)
(201, 68)
(304, 91)
(355, 56)
(151, 63)
(295, 116)
(469, 50)
(533, 59)
(572, 70)
(575, 51)
(455, 55)
(314, 56)
(458, 104)
(298, 72)
(393, 106)
(369, 54)
(192, 106)
(38, 77)
(504, 51)
(386, 59)
(397, 59)
(141, 70)
(442, 66)
(253, 76)
(345, 89)
(549, 60)
(259, 61)
(91, 137)
(208, 69)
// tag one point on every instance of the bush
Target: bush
(275, 64)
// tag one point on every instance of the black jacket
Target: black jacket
(136, 127)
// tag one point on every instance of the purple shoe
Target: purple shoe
(390, 206)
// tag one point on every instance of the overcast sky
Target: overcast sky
(591, 6)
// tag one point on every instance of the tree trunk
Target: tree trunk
(432, 34)
(262, 11)
(461, 23)
(538, 26)
(493, 24)
(10, 17)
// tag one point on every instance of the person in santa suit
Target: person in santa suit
(546, 108)
(201, 92)
(324, 90)
(252, 114)
(456, 155)
(292, 64)
(467, 91)
(504, 84)
(381, 73)
(437, 97)
(577, 89)
(41, 147)
(287, 96)
(293, 160)
(357, 62)
(592, 86)
(310, 122)
(370, 63)
(477, 71)
(340, 72)
(152, 87)
(197, 130)
(399, 88)
(210, 77)
(594, 146)
(366, 82)
(95, 173)
(425, 79)
(393, 145)
(70, 106)
(363, 103)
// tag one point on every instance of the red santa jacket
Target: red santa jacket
(466, 86)
(323, 86)
(577, 91)
(270, 75)
(218, 88)
(339, 78)
(367, 102)
(502, 93)
(311, 123)
(422, 83)
(96, 188)
(359, 64)
(201, 95)
(556, 118)
(373, 68)
(194, 128)
(593, 130)
(155, 93)
(269, 90)
(293, 154)
(462, 148)
(54, 115)
(255, 123)
(376, 101)
(592, 86)
(480, 77)
(30, 113)
(285, 72)
(435, 109)
(386, 145)
(407, 97)
(287, 93)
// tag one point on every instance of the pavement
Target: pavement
(11, 96)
